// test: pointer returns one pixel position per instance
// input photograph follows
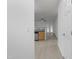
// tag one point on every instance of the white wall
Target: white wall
(39, 25)
(49, 29)
(64, 25)
(20, 18)
(55, 26)
(44, 25)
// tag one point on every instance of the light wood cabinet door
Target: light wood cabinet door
(41, 36)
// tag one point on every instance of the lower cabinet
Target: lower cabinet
(41, 36)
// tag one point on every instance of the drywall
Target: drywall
(44, 25)
(64, 26)
(55, 26)
(20, 34)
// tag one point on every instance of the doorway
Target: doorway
(45, 42)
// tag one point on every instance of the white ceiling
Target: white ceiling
(46, 7)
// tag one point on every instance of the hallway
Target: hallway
(47, 49)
